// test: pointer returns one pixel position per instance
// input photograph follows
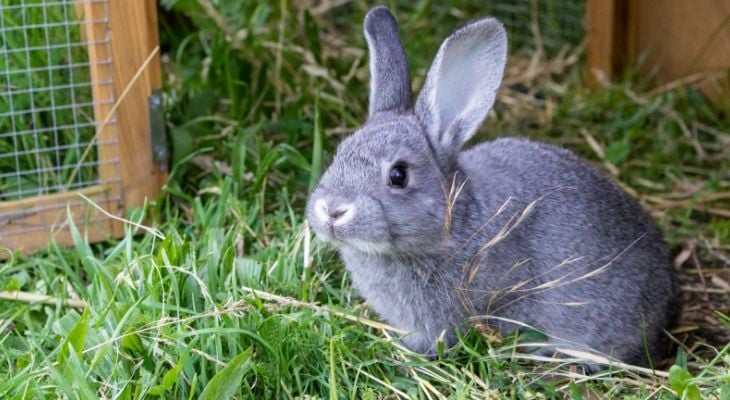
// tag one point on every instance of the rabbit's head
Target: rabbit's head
(386, 190)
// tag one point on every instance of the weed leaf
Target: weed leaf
(227, 381)
(76, 338)
(679, 379)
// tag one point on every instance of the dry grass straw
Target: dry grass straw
(33, 298)
(638, 376)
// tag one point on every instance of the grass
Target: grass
(229, 294)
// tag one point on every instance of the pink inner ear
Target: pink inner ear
(459, 81)
(463, 81)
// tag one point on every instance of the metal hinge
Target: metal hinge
(160, 152)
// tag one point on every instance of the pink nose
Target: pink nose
(336, 213)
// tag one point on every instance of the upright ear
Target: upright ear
(390, 82)
(462, 83)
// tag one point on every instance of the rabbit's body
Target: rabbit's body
(509, 230)
(548, 254)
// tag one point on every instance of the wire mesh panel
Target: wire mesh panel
(548, 24)
(47, 120)
(55, 84)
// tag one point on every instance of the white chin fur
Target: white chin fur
(357, 244)
(368, 247)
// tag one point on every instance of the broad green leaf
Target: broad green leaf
(76, 338)
(182, 144)
(17, 281)
(131, 341)
(170, 251)
(679, 379)
(725, 392)
(575, 392)
(77, 371)
(692, 392)
(170, 377)
(617, 152)
(227, 381)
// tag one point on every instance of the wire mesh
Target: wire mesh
(47, 116)
(546, 24)
(48, 126)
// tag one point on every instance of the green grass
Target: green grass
(230, 294)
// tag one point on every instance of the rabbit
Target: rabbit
(508, 233)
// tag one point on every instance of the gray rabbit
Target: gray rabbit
(436, 237)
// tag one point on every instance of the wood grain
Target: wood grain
(134, 36)
(679, 38)
(601, 32)
(668, 39)
(101, 66)
(30, 224)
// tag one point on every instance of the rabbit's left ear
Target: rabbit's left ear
(462, 83)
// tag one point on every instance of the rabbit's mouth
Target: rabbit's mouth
(364, 246)
(353, 225)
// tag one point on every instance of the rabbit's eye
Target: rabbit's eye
(398, 176)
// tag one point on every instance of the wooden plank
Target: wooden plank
(29, 224)
(606, 38)
(96, 31)
(680, 38)
(134, 37)
(673, 40)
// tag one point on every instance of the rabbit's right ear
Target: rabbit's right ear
(462, 84)
(390, 82)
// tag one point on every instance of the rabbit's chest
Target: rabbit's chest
(412, 298)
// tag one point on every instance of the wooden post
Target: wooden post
(127, 40)
(134, 37)
(96, 31)
(606, 22)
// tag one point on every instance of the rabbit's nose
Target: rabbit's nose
(336, 215)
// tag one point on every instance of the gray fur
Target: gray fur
(390, 82)
(534, 235)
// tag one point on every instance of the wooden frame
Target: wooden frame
(681, 40)
(131, 29)
(604, 21)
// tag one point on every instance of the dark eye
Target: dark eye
(398, 176)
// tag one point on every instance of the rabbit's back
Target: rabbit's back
(597, 268)
(570, 196)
